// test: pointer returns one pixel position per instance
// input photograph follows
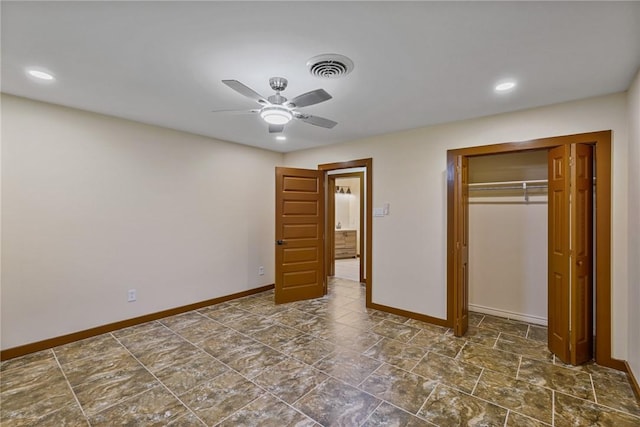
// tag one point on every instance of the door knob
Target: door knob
(280, 242)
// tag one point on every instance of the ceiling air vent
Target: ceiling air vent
(330, 66)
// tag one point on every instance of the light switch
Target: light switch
(385, 209)
(378, 212)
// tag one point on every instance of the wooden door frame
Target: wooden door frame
(601, 141)
(331, 220)
(367, 164)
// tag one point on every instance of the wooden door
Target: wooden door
(581, 337)
(461, 257)
(558, 240)
(299, 235)
(570, 252)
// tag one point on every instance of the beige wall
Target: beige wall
(93, 206)
(634, 227)
(409, 172)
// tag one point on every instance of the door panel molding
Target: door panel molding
(601, 143)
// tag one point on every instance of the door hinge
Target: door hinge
(570, 161)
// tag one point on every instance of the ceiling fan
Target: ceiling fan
(276, 110)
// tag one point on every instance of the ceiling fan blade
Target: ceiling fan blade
(245, 90)
(235, 111)
(317, 121)
(310, 98)
(276, 128)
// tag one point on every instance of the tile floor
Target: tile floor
(328, 362)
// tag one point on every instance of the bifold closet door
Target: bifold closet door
(461, 257)
(570, 252)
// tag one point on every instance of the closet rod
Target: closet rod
(531, 181)
(508, 187)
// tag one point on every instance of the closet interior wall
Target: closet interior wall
(508, 235)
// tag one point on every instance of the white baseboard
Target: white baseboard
(529, 318)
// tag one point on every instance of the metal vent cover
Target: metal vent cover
(330, 66)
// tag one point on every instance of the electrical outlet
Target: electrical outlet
(131, 295)
(261, 271)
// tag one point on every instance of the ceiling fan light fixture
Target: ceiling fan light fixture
(276, 115)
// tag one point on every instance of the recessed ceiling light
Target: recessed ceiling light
(281, 138)
(39, 74)
(505, 86)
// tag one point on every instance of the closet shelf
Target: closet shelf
(536, 185)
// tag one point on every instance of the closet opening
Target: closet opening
(508, 235)
(564, 152)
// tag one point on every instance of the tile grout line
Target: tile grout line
(55, 356)
(593, 388)
(372, 412)
(553, 408)
(506, 419)
(477, 381)
(519, 364)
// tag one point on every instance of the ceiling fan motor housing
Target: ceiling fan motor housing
(278, 83)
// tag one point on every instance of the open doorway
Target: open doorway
(346, 198)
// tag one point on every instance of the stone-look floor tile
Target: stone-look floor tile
(25, 361)
(517, 395)
(216, 399)
(267, 411)
(401, 388)
(558, 378)
(538, 333)
(68, 416)
(188, 420)
(489, 358)
(307, 348)
(291, 317)
(438, 330)
(315, 325)
(252, 359)
(402, 355)
(166, 354)
(515, 419)
(34, 374)
(226, 342)
(90, 369)
(251, 324)
(616, 392)
(143, 329)
(347, 337)
(571, 411)
(397, 331)
(183, 320)
(348, 366)
(139, 343)
(91, 347)
(277, 335)
(334, 403)
(528, 348)
(38, 396)
(511, 327)
(449, 407)
(113, 388)
(475, 318)
(267, 309)
(442, 344)
(201, 330)
(389, 415)
(460, 375)
(363, 321)
(224, 314)
(485, 337)
(290, 379)
(154, 407)
(187, 373)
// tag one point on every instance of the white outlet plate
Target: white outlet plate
(261, 271)
(131, 295)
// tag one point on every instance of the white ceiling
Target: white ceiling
(416, 63)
